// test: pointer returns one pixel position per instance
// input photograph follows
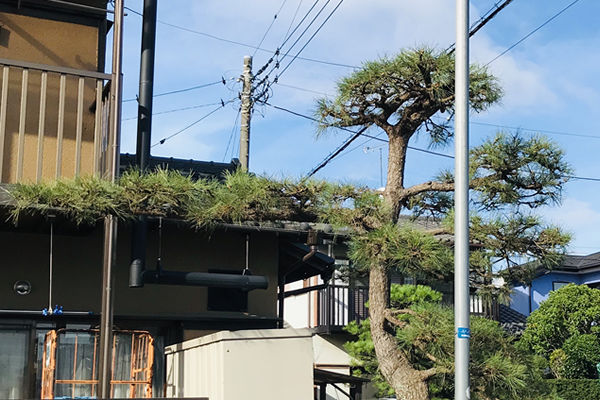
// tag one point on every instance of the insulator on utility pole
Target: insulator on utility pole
(246, 113)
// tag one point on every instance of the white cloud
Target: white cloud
(580, 217)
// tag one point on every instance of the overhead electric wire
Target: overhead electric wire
(233, 131)
(162, 141)
(285, 40)
(293, 19)
(269, 28)
(532, 32)
(311, 38)
(487, 17)
(538, 130)
(304, 31)
(176, 110)
(181, 90)
(263, 94)
(303, 89)
(435, 153)
(240, 43)
(337, 151)
(288, 37)
(360, 145)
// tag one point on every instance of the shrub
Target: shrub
(576, 389)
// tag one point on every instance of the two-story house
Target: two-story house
(55, 122)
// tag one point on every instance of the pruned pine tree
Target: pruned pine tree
(499, 369)
(510, 172)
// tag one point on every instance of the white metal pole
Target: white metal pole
(461, 205)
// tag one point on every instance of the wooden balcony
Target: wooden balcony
(53, 122)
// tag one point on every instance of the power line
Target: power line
(435, 153)
(288, 37)
(311, 38)
(361, 145)
(487, 17)
(299, 88)
(176, 110)
(263, 95)
(162, 141)
(305, 29)
(472, 122)
(269, 28)
(242, 44)
(182, 90)
(584, 178)
(538, 130)
(293, 19)
(233, 131)
(347, 143)
(532, 32)
(341, 148)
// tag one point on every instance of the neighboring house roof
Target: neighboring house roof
(580, 263)
(199, 169)
(512, 321)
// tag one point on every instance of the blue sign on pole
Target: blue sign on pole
(463, 333)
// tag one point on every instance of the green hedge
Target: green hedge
(576, 389)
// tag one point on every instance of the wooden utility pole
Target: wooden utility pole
(246, 113)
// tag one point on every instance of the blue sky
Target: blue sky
(549, 79)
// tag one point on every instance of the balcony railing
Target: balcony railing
(338, 305)
(53, 121)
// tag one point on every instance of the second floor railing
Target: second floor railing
(338, 305)
(53, 121)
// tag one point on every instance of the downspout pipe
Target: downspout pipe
(142, 154)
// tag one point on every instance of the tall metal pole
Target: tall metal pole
(110, 224)
(246, 113)
(142, 155)
(461, 205)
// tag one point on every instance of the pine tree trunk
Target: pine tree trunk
(408, 383)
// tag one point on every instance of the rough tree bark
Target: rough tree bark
(407, 382)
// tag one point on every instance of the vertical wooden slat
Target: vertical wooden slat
(79, 126)
(4, 101)
(41, 123)
(74, 367)
(98, 128)
(22, 119)
(61, 124)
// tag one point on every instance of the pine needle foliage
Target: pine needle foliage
(204, 202)
(498, 369)
(385, 92)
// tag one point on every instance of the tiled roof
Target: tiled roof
(578, 263)
(199, 169)
(512, 321)
(508, 315)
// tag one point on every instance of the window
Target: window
(558, 284)
(14, 352)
